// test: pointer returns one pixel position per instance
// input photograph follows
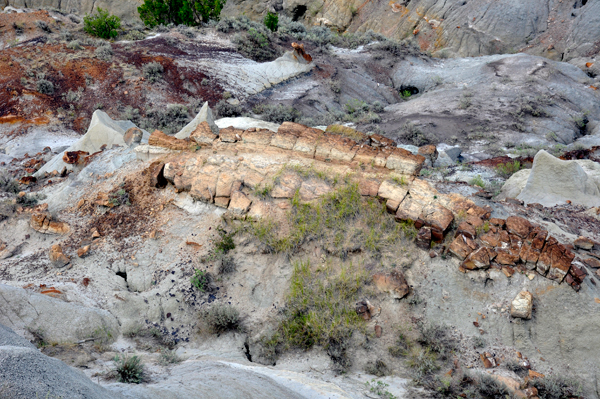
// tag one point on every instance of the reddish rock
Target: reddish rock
(301, 55)
(577, 273)
(378, 331)
(157, 177)
(462, 246)
(474, 221)
(160, 139)
(491, 239)
(437, 216)
(519, 226)
(364, 309)
(497, 222)
(74, 157)
(583, 243)
(478, 259)
(467, 230)
(592, 262)
(203, 134)
(504, 257)
(393, 283)
(430, 152)
(378, 140)
(424, 238)
(369, 187)
(257, 136)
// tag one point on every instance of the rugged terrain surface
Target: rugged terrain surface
(379, 247)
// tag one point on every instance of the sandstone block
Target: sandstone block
(342, 149)
(561, 262)
(307, 142)
(478, 259)
(204, 187)
(519, 226)
(224, 184)
(392, 190)
(287, 186)
(404, 162)
(467, 230)
(203, 134)
(370, 188)
(257, 136)
(462, 246)
(160, 139)
(313, 189)
(584, 243)
(424, 238)
(366, 155)
(222, 202)
(409, 209)
(393, 283)
(437, 216)
(287, 135)
(378, 140)
(522, 305)
(592, 262)
(239, 203)
(43, 223)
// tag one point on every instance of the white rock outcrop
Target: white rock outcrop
(552, 181)
(204, 115)
(522, 306)
(103, 130)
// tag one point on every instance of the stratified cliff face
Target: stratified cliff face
(556, 29)
(126, 10)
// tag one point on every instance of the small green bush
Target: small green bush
(179, 12)
(477, 181)
(200, 280)
(102, 24)
(256, 45)
(225, 110)
(45, 86)
(222, 318)
(168, 356)
(506, 170)
(129, 369)
(271, 21)
(280, 113)
(170, 121)
(557, 387)
(153, 71)
(8, 184)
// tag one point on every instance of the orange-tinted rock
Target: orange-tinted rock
(43, 223)
(160, 139)
(133, 136)
(369, 187)
(239, 204)
(393, 283)
(437, 216)
(224, 184)
(57, 257)
(223, 202)
(230, 134)
(83, 251)
(301, 55)
(27, 180)
(430, 152)
(467, 230)
(343, 149)
(504, 257)
(519, 226)
(474, 221)
(491, 239)
(103, 199)
(462, 246)
(313, 189)
(478, 259)
(287, 135)
(497, 222)
(366, 155)
(481, 212)
(307, 142)
(204, 187)
(75, 157)
(203, 134)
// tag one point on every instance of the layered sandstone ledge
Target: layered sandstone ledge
(252, 172)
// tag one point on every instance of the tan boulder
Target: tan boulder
(404, 162)
(592, 262)
(287, 135)
(160, 139)
(306, 144)
(583, 243)
(478, 259)
(83, 251)
(43, 223)
(365, 155)
(370, 188)
(391, 190)
(257, 136)
(133, 136)
(204, 187)
(287, 186)
(522, 305)
(393, 283)
(57, 257)
(462, 246)
(519, 226)
(343, 149)
(203, 134)
(239, 204)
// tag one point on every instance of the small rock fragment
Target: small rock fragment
(522, 305)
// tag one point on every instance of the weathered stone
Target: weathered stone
(392, 190)
(364, 309)
(83, 251)
(343, 149)
(57, 257)
(519, 226)
(522, 305)
(393, 283)
(430, 153)
(467, 230)
(43, 223)
(160, 139)
(424, 237)
(505, 257)
(203, 134)
(74, 157)
(497, 222)
(365, 155)
(584, 243)
(307, 142)
(378, 140)
(224, 184)
(478, 259)
(378, 331)
(157, 176)
(204, 187)
(257, 136)
(592, 262)
(133, 136)
(578, 274)
(313, 189)
(287, 186)
(462, 246)
(474, 221)
(409, 209)
(300, 54)
(287, 135)
(222, 202)
(230, 134)
(239, 203)
(370, 188)
(404, 162)
(391, 206)
(437, 216)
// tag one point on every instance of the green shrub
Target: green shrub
(413, 135)
(153, 71)
(423, 363)
(74, 45)
(169, 120)
(102, 24)
(179, 12)
(8, 184)
(271, 21)
(477, 181)
(256, 45)
(379, 388)
(225, 110)
(200, 280)
(506, 170)
(221, 318)
(296, 29)
(45, 86)
(168, 356)
(280, 113)
(438, 339)
(129, 369)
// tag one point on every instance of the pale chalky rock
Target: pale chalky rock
(522, 305)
